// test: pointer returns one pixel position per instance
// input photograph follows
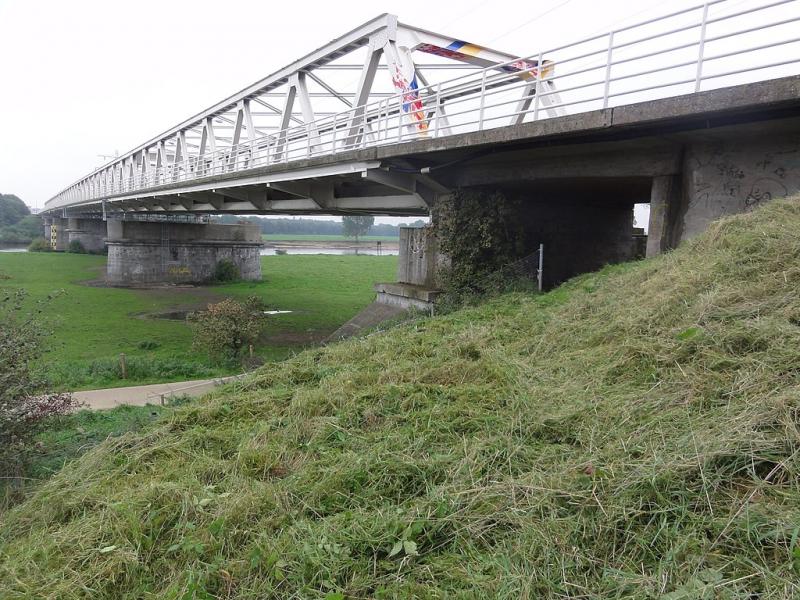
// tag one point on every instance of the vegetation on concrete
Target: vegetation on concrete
(481, 232)
(91, 325)
(357, 226)
(25, 405)
(39, 244)
(76, 247)
(632, 434)
(17, 224)
(225, 271)
(226, 329)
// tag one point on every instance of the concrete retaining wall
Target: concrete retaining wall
(417, 259)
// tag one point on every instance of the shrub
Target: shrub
(24, 407)
(76, 247)
(40, 245)
(226, 328)
(225, 271)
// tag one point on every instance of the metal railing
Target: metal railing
(702, 47)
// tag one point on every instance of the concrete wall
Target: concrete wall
(418, 255)
(720, 177)
(91, 233)
(146, 252)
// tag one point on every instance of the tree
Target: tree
(24, 405)
(226, 328)
(357, 226)
(12, 210)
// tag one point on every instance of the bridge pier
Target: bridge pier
(141, 252)
(91, 233)
(55, 232)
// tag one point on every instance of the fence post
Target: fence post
(608, 69)
(483, 101)
(541, 265)
(536, 88)
(701, 49)
(123, 366)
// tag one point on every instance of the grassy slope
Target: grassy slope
(91, 323)
(632, 433)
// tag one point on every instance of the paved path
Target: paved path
(140, 395)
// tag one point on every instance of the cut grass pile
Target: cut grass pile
(632, 434)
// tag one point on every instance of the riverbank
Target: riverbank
(93, 325)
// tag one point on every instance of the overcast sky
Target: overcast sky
(84, 78)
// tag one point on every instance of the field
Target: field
(92, 325)
(632, 434)
(287, 237)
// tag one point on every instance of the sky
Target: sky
(81, 79)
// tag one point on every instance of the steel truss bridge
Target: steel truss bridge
(296, 141)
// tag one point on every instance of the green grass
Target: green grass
(92, 325)
(283, 237)
(68, 437)
(632, 434)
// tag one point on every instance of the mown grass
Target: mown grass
(91, 326)
(632, 434)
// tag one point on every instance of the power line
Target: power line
(529, 21)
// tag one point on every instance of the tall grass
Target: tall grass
(632, 434)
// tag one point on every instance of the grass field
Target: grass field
(633, 434)
(92, 325)
(281, 237)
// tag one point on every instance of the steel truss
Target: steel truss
(251, 152)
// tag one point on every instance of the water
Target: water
(272, 252)
(327, 250)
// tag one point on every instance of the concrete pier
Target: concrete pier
(151, 252)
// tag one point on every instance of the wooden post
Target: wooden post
(123, 367)
(251, 350)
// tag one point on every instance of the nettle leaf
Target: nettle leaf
(396, 549)
(689, 333)
(410, 548)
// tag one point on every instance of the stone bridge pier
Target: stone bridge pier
(146, 252)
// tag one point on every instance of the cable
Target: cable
(529, 21)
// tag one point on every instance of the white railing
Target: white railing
(706, 46)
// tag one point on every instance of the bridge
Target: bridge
(694, 112)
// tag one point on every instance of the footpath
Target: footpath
(140, 395)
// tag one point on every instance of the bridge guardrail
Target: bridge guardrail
(688, 50)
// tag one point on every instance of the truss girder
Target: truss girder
(320, 116)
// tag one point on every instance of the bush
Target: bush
(226, 328)
(24, 407)
(225, 271)
(40, 245)
(76, 247)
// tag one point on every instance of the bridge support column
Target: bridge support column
(56, 234)
(418, 263)
(91, 234)
(152, 252)
(666, 197)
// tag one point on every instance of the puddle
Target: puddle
(180, 315)
(277, 312)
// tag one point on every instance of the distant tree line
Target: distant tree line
(314, 226)
(17, 224)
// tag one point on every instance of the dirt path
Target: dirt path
(147, 394)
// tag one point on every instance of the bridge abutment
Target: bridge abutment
(141, 252)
